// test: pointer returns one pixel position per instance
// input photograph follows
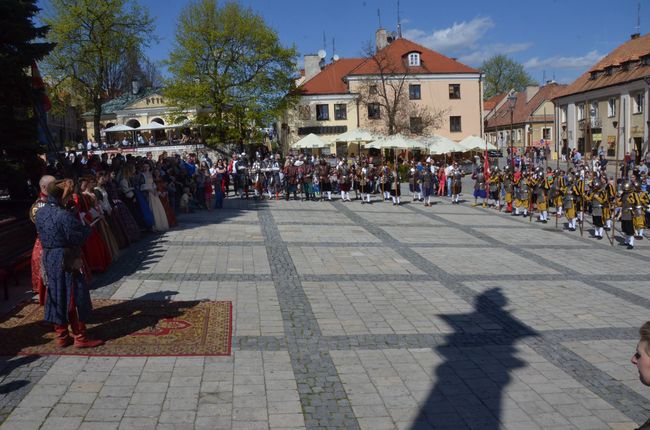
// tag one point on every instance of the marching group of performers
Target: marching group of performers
(308, 179)
(571, 195)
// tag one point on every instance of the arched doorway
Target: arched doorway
(133, 123)
(158, 120)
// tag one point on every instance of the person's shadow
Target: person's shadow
(469, 384)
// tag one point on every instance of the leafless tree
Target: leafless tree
(388, 89)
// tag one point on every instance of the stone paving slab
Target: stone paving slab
(353, 261)
(599, 262)
(354, 308)
(256, 311)
(312, 216)
(481, 261)
(433, 235)
(212, 259)
(462, 388)
(325, 233)
(551, 305)
(220, 232)
(397, 219)
(528, 236)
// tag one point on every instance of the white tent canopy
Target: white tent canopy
(437, 144)
(118, 128)
(397, 141)
(153, 125)
(356, 135)
(310, 141)
(475, 143)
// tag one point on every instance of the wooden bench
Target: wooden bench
(16, 242)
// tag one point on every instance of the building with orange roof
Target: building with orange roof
(614, 92)
(335, 97)
(528, 113)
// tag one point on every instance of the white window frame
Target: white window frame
(563, 114)
(611, 107)
(639, 101)
(414, 59)
(580, 110)
(593, 110)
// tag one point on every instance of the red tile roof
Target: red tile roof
(430, 61)
(330, 79)
(523, 110)
(493, 101)
(631, 50)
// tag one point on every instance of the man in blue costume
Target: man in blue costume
(68, 300)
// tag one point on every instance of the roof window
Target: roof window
(414, 59)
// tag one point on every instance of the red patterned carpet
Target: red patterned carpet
(130, 328)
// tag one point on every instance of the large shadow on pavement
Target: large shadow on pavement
(469, 384)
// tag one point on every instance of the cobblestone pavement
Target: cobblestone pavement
(365, 317)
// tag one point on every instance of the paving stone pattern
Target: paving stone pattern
(365, 316)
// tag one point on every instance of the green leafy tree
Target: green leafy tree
(19, 49)
(92, 36)
(230, 64)
(503, 74)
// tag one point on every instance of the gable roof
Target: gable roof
(125, 100)
(524, 110)
(631, 50)
(430, 61)
(493, 101)
(330, 79)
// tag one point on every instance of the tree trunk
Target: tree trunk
(97, 116)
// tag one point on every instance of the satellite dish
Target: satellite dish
(335, 57)
(322, 54)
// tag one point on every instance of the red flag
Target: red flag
(38, 84)
(486, 164)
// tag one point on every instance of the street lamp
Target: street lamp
(512, 101)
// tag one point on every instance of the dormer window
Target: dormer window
(414, 59)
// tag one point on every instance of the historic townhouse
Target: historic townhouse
(331, 101)
(614, 92)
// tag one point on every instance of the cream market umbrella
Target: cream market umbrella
(397, 141)
(358, 136)
(153, 125)
(475, 143)
(311, 141)
(437, 144)
(119, 128)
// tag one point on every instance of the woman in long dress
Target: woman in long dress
(149, 189)
(134, 199)
(95, 250)
(161, 187)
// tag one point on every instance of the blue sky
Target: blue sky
(559, 37)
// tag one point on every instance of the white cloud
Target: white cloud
(581, 62)
(459, 36)
(477, 57)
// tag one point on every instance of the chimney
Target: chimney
(381, 39)
(135, 86)
(635, 36)
(312, 66)
(531, 90)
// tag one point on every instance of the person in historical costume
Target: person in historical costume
(219, 179)
(639, 211)
(644, 196)
(257, 177)
(494, 188)
(127, 219)
(540, 191)
(161, 188)
(508, 188)
(427, 184)
(138, 204)
(308, 181)
(627, 203)
(95, 250)
(579, 191)
(569, 203)
(87, 188)
(414, 182)
(598, 199)
(558, 191)
(384, 180)
(149, 190)
(479, 186)
(456, 183)
(243, 178)
(111, 216)
(522, 200)
(291, 180)
(345, 181)
(395, 180)
(38, 286)
(609, 210)
(67, 303)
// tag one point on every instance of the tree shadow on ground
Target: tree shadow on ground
(470, 383)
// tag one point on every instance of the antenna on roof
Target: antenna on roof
(324, 41)
(638, 17)
(543, 77)
(379, 16)
(399, 22)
